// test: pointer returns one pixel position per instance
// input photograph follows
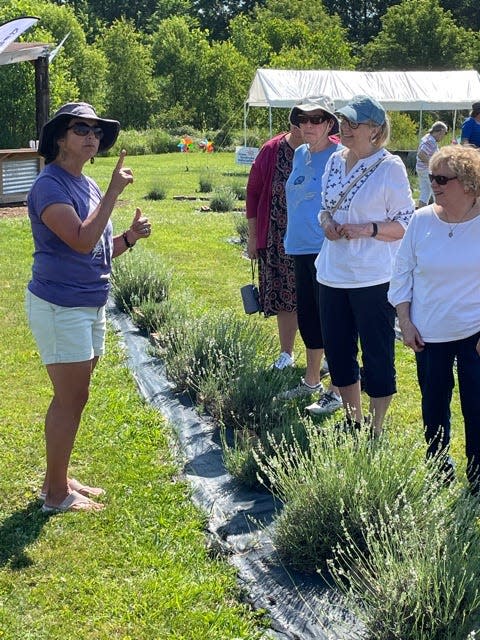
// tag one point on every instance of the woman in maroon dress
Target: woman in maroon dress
(267, 223)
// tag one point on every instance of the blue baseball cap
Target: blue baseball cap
(363, 109)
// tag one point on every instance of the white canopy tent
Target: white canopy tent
(396, 90)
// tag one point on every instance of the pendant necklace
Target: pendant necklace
(453, 226)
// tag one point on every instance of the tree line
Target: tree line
(166, 63)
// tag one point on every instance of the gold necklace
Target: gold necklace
(452, 225)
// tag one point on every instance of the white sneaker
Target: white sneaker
(303, 389)
(284, 360)
(328, 403)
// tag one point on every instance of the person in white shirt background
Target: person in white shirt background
(355, 263)
(436, 290)
(427, 147)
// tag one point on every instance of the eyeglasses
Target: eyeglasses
(353, 125)
(303, 118)
(441, 180)
(83, 129)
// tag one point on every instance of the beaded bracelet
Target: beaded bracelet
(125, 239)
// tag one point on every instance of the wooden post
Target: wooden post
(42, 93)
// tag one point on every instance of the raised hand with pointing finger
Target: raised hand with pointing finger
(121, 176)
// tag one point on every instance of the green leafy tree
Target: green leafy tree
(466, 13)
(419, 34)
(292, 34)
(247, 36)
(179, 47)
(86, 64)
(224, 80)
(143, 13)
(17, 106)
(362, 18)
(215, 15)
(78, 71)
(169, 9)
(132, 95)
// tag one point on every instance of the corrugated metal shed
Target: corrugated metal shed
(18, 170)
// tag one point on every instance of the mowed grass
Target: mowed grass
(138, 570)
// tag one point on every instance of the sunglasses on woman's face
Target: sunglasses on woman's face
(303, 118)
(353, 125)
(82, 129)
(441, 180)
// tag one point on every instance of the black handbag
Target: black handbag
(250, 294)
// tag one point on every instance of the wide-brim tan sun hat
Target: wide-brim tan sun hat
(313, 103)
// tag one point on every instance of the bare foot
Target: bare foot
(84, 489)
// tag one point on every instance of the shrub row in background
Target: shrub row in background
(154, 140)
(371, 515)
(147, 141)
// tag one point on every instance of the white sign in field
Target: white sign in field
(245, 155)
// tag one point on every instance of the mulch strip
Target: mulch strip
(13, 212)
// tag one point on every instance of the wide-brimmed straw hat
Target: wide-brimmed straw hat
(313, 103)
(47, 141)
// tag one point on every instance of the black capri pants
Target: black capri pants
(362, 313)
(308, 301)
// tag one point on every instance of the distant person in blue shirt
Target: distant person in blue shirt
(471, 127)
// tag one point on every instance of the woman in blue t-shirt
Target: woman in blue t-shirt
(304, 238)
(66, 296)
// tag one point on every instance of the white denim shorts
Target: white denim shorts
(65, 334)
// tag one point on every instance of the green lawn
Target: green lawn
(139, 569)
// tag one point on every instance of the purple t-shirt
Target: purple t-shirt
(61, 275)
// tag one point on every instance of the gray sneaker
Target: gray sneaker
(324, 371)
(303, 389)
(328, 403)
(284, 360)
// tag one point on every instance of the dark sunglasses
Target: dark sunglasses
(303, 118)
(441, 180)
(351, 124)
(83, 129)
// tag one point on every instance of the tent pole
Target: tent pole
(245, 124)
(420, 130)
(270, 119)
(454, 125)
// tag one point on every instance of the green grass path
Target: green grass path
(139, 569)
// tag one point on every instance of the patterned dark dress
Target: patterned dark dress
(276, 270)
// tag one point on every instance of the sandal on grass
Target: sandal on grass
(73, 502)
(84, 489)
